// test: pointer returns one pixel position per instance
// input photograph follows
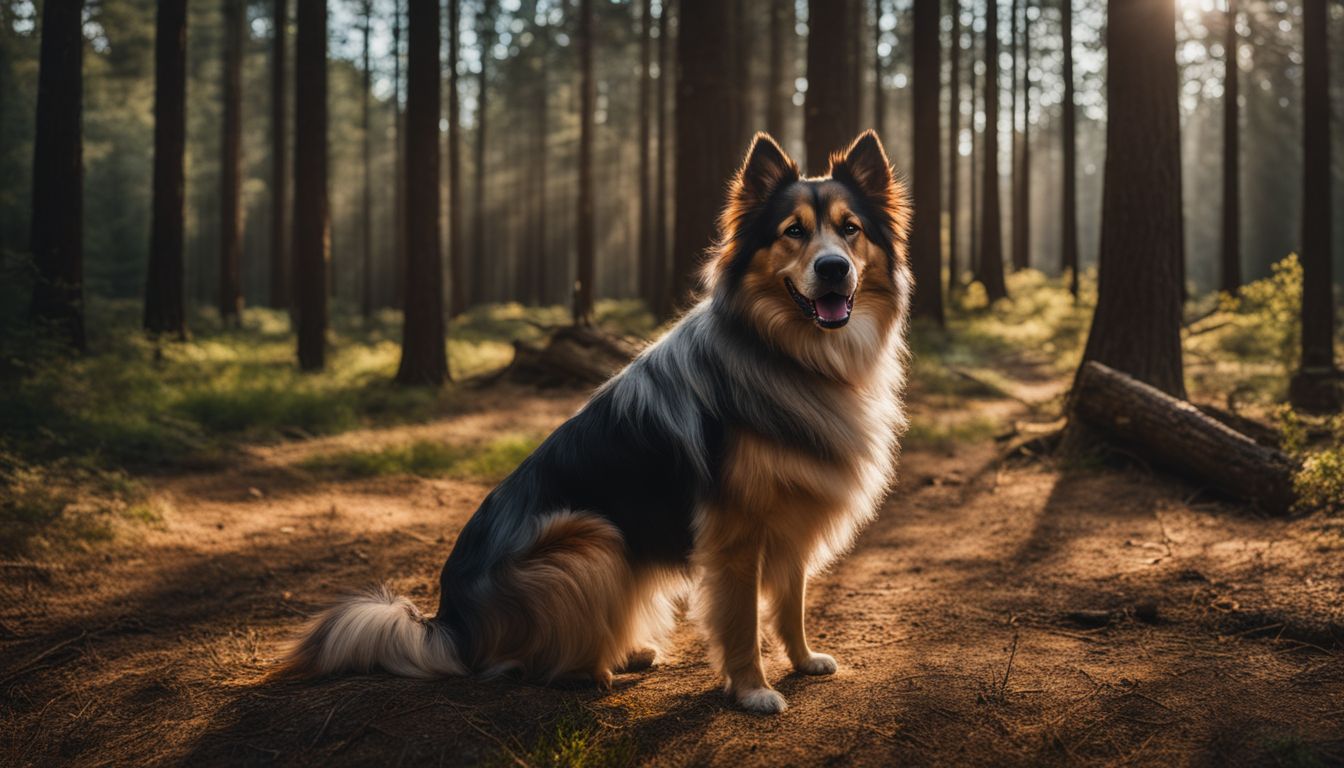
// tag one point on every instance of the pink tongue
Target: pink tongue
(832, 307)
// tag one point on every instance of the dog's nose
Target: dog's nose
(831, 267)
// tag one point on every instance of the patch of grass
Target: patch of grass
(488, 463)
(65, 504)
(942, 434)
(576, 739)
(1319, 484)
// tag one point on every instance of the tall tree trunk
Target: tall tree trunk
(925, 239)
(741, 51)
(57, 239)
(830, 115)
(954, 149)
(973, 240)
(366, 279)
(423, 359)
(457, 287)
(484, 36)
(780, 87)
(1022, 182)
(1231, 250)
(662, 303)
(583, 283)
(705, 154)
(280, 289)
(645, 250)
(398, 165)
(310, 244)
(1316, 386)
(879, 71)
(165, 310)
(542, 95)
(1012, 127)
(990, 271)
(231, 166)
(1068, 132)
(1137, 326)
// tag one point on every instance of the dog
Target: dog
(737, 455)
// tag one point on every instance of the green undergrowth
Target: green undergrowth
(488, 463)
(1319, 483)
(132, 404)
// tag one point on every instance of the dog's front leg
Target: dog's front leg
(732, 583)
(787, 578)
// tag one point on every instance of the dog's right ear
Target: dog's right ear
(765, 170)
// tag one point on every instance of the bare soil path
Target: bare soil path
(997, 613)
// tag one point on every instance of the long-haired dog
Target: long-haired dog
(741, 452)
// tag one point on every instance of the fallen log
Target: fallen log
(1178, 435)
(572, 356)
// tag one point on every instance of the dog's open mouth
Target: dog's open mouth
(830, 310)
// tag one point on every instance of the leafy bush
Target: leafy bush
(1266, 317)
(1319, 483)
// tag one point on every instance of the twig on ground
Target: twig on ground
(33, 663)
(1003, 687)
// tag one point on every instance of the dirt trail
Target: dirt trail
(995, 614)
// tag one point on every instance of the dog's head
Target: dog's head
(814, 261)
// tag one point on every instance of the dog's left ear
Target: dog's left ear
(865, 167)
(766, 169)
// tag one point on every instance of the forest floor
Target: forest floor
(1001, 610)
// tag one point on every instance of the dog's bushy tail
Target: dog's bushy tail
(376, 630)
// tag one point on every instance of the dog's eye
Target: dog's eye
(850, 228)
(795, 231)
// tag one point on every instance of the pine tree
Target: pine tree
(309, 249)
(280, 284)
(583, 283)
(925, 239)
(990, 268)
(1069, 135)
(165, 310)
(231, 167)
(1137, 326)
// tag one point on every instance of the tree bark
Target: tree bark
(57, 238)
(990, 271)
(542, 95)
(398, 165)
(231, 166)
(310, 243)
(457, 302)
(423, 358)
(485, 39)
(1014, 204)
(366, 233)
(1178, 435)
(705, 153)
(165, 310)
(1069, 134)
(1231, 250)
(280, 284)
(1137, 324)
(830, 115)
(780, 88)
(662, 303)
(1022, 226)
(645, 240)
(879, 92)
(1317, 383)
(583, 283)
(954, 149)
(926, 236)
(973, 238)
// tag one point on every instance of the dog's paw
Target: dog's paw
(762, 701)
(817, 664)
(639, 660)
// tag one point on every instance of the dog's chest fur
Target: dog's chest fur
(816, 498)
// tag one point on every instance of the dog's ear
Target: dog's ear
(765, 170)
(865, 167)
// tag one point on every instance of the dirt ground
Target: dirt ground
(998, 612)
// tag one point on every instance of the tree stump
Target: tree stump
(1180, 436)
